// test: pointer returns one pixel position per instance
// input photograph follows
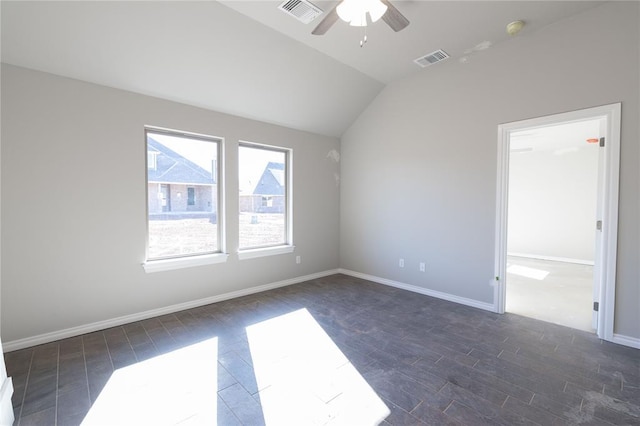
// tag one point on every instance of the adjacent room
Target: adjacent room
(268, 212)
(553, 206)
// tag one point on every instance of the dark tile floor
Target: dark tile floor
(430, 361)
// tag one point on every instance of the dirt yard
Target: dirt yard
(261, 229)
(168, 238)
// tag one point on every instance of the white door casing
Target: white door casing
(607, 207)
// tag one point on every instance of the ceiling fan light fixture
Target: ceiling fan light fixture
(358, 20)
(355, 11)
(376, 9)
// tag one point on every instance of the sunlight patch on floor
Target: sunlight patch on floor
(564, 296)
(524, 271)
(175, 388)
(304, 378)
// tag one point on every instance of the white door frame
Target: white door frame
(609, 174)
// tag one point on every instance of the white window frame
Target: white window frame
(187, 261)
(276, 249)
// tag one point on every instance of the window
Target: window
(265, 218)
(182, 195)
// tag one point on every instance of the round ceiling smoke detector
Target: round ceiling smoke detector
(514, 27)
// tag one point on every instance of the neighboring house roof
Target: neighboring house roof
(174, 168)
(272, 180)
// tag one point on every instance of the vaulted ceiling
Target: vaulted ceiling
(248, 58)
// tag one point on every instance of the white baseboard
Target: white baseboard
(7, 387)
(552, 258)
(433, 293)
(632, 342)
(617, 338)
(101, 325)
(6, 408)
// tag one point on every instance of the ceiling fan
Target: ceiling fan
(355, 12)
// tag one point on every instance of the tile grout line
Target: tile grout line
(505, 401)
(167, 330)
(104, 338)
(149, 336)
(26, 385)
(57, 385)
(233, 412)
(86, 371)
(186, 327)
(126, 335)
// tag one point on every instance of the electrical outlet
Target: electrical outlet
(422, 266)
(401, 263)
(298, 260)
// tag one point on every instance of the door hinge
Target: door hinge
(596, 306)
(599, 225)
(601, 141)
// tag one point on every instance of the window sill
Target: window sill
(183, 262)
(267, 251)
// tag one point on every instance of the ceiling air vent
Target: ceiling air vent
(431, 58)
(302, 10)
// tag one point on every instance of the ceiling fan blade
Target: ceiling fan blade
(394, 18)
(326, 23)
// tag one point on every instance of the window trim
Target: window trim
(169, 264)
(288, 246)
(196, 259)
(265, 251)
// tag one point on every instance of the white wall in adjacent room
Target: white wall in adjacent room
(552, 203)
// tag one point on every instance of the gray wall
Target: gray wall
(552, 203)
(73, 204)
(419, 165)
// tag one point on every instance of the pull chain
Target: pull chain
(364, 38)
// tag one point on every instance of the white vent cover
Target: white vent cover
(302, 10)
(431, 58)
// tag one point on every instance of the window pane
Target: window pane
(182, 196)
(263, 197)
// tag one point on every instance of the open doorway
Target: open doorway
(548, 234)
(551, 231)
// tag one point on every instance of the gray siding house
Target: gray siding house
(177, 187)
(268, 196)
